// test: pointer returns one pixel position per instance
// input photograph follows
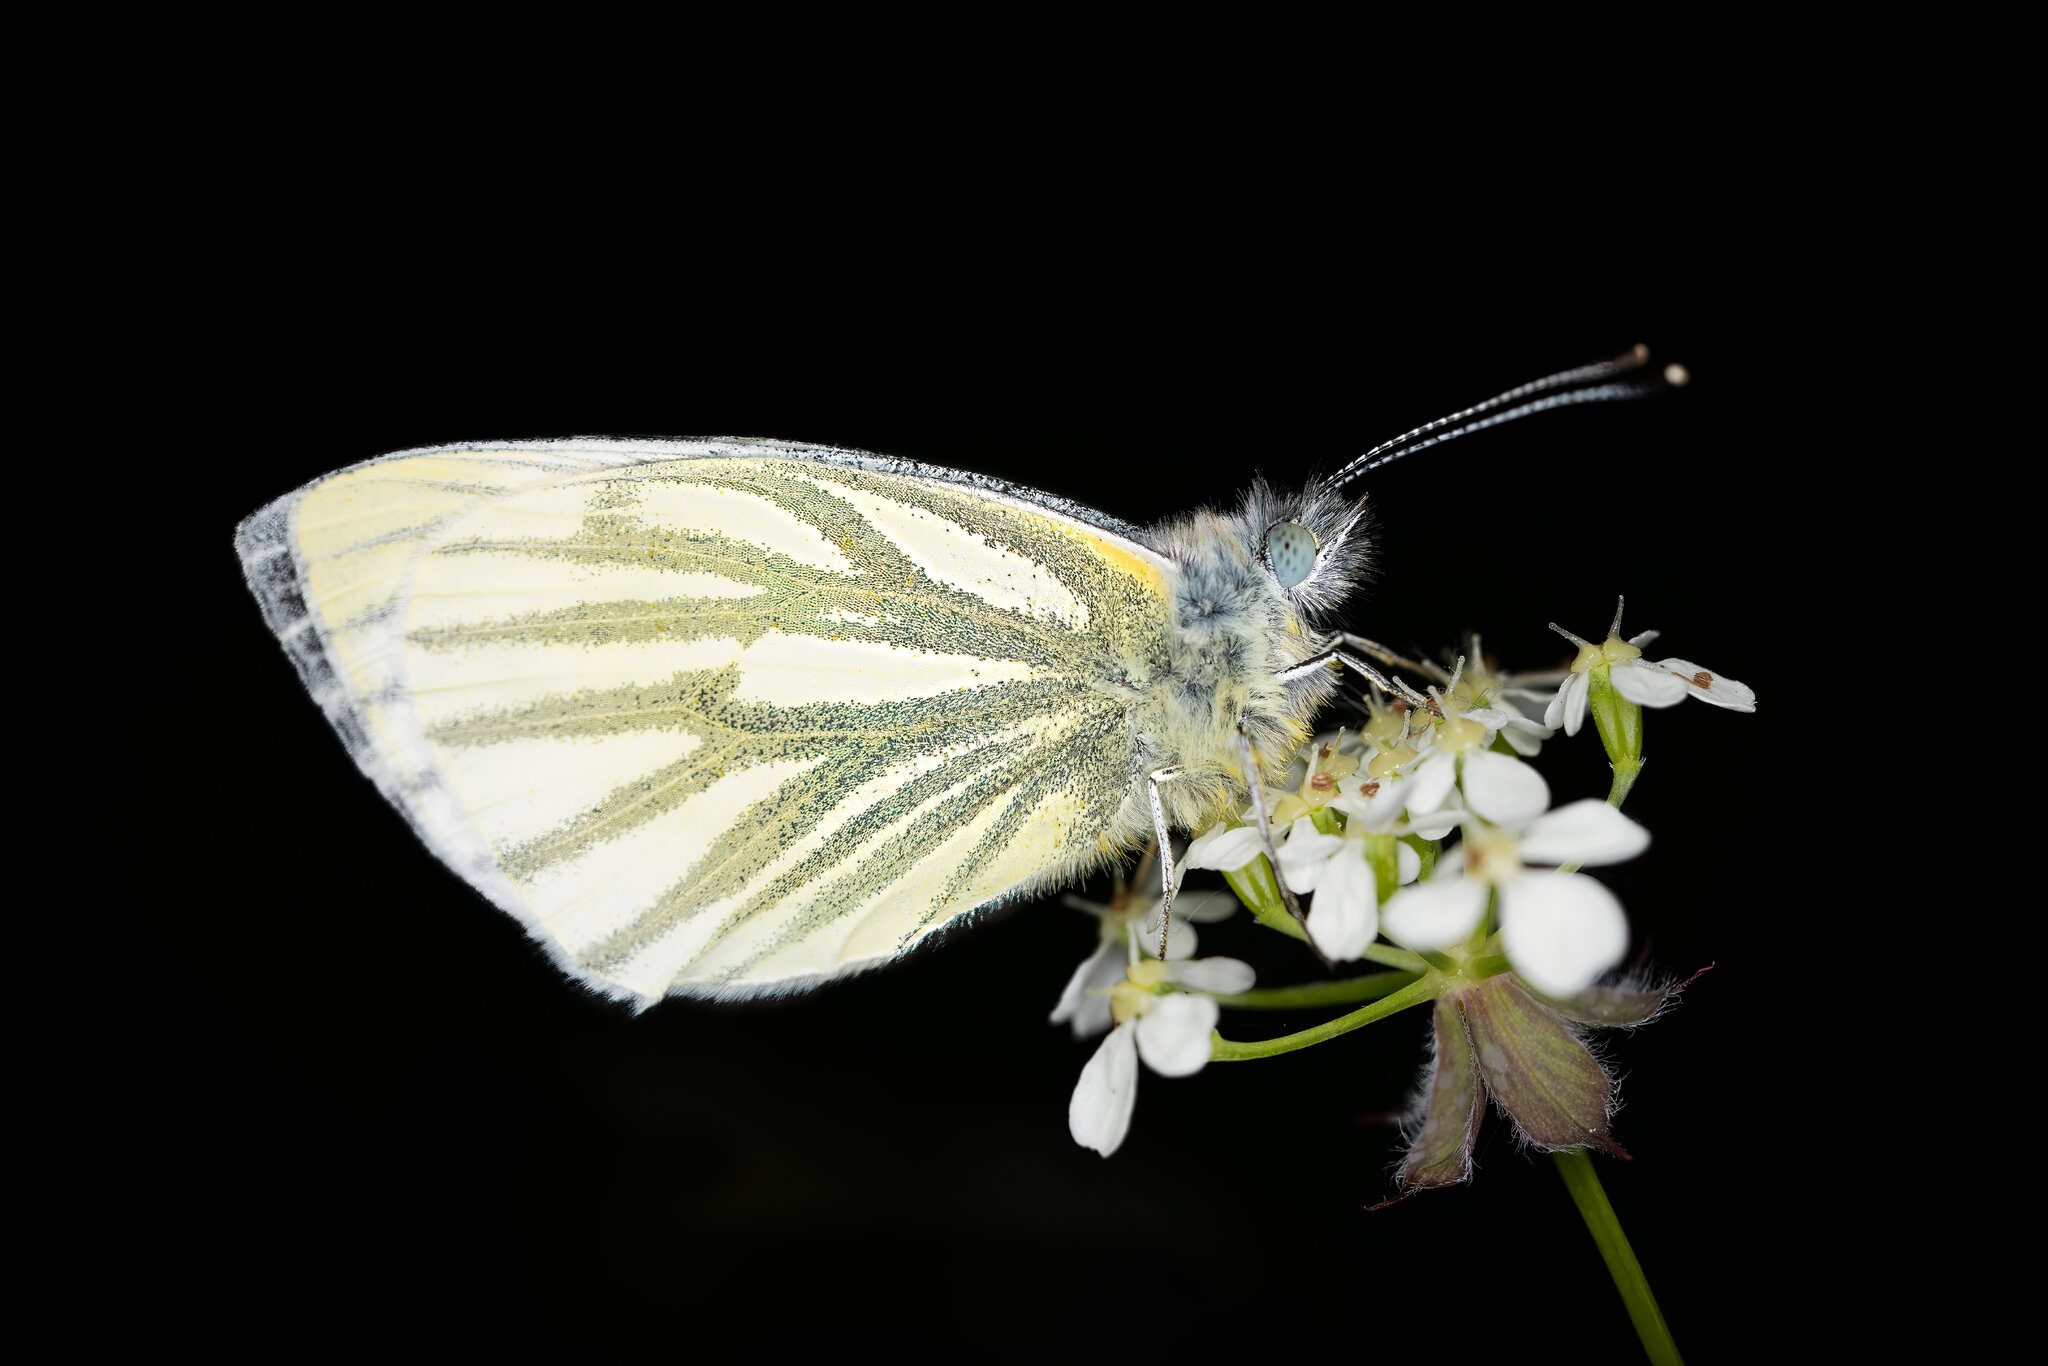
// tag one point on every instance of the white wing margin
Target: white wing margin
(720, 717)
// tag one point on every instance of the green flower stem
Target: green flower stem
(1386, 955)
(1620, 723)
(1414, 994)
(1259, 890)
(1575, 1165)
(1345, 992)
(1625, 775)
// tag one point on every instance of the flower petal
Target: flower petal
(1345, 915)
(1436, 913)
(1431, 781)
(1503, 789)
(1436, 824)
(1493, 718)
(1561, 931)
(1223, 976)
(1205, 908)
(1534, 687)
(1646, 685)
(1224, 850)
(1181, 943)
(1173, 1035)
(1378, 809)
(1085, 1001)
(1722, 692)
(1306, 852)
(1408, 862)
(1099, 1112)
(1584, 831)
(1201, 844)
(1573, 693)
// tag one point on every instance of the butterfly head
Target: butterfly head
(1313, 543)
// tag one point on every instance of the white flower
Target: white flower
(1170, 1031)
(1646, 682)
(1343, 915)
(1124, 934)
(1430, 759)
(1517, 700)
(1560, 930)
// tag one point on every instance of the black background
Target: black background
(295, 1073)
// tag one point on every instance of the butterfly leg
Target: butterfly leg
(1338, 655)
(1344, 657)
(1387, 657)
(1165, 837)
(1257, 788)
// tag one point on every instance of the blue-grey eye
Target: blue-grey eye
(1291, 553)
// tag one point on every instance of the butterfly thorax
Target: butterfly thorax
(1233, 632)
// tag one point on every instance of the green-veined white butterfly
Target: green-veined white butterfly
(730, 717)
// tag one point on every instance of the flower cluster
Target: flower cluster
(1426, 841)
(1159, 1009)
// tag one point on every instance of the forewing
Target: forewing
(733, 719)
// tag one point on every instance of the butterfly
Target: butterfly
(733, 717)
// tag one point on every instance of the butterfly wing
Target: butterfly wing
(722, 717)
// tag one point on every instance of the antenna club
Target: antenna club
(1677, 376)
(1640, 352)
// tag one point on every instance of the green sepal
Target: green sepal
(1619, 721)
(1453, 1105)
(1610, 1007)
(1259, 890)
(1536, 1069)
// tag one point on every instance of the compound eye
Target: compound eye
(1291, 552)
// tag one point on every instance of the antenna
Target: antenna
(1583, 384)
